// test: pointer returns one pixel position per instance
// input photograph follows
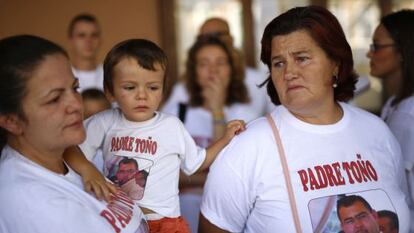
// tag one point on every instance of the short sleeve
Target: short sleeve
(192, 155)
(399, 165)
(227, 198)
(403, 129)
(95, 135)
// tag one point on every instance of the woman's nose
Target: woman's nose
(74, 103)
(290, 71)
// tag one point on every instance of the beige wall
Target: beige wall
(122, 19)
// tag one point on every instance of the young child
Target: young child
(158, 144)
(94, 101)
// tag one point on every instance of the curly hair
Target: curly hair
(237, 90)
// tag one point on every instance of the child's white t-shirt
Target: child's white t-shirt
(160, 146)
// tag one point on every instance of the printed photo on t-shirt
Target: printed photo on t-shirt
(369, 211)
(129, 173)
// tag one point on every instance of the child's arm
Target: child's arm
(93, 180)
(233, 128)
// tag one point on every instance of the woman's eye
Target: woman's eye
(54, 100)
(303, 59)
(278, 64)
(76, 88)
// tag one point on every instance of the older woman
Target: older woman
(327, 148)
(392, 60)
(40, 116)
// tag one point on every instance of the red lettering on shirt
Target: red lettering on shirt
(330, 175)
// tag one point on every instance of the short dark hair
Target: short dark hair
(93, 93)
(347, 201)
(20, 56)
(84, 17)
(145, 52)
(237, 90)
(127, 160)
(393, 217)
(326, 31)
(399, 25)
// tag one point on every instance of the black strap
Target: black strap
(182, 109)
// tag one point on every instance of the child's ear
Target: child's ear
(109, 96)
(11, 122)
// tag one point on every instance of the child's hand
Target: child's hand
(233, 128)
(96, 183)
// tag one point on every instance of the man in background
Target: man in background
(84, 34)
(388, 221)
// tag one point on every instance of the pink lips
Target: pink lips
(294, 87)
(141, 108)
(77, 124)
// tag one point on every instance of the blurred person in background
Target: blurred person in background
(217, 94)
(392, 60)
(84, 35)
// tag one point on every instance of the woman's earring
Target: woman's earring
(335, 84)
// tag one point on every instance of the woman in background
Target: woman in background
(217, 94)
(392, 60)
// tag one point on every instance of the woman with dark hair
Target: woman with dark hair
(214, 81)
(392, 60)
(40, 116)
(312, 147)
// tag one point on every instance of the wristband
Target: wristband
(219, 115)
(219, 121)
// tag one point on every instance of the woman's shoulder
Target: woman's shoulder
(366, 122)
(361, 115)
(17, 173)
(254, 139)
(406, 106)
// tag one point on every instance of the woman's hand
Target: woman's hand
(215, 94)
(95, 183)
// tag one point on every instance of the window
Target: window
(191, 14)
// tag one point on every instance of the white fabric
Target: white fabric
(259, 99)
(259, 105)
(160, 146)
(199, 123)
(245, 189)
(34, 199)
(89, 78)
(400, 119)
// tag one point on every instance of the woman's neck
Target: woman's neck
(392, 85)
(392, 82)
(320, 115)
(49, 159)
